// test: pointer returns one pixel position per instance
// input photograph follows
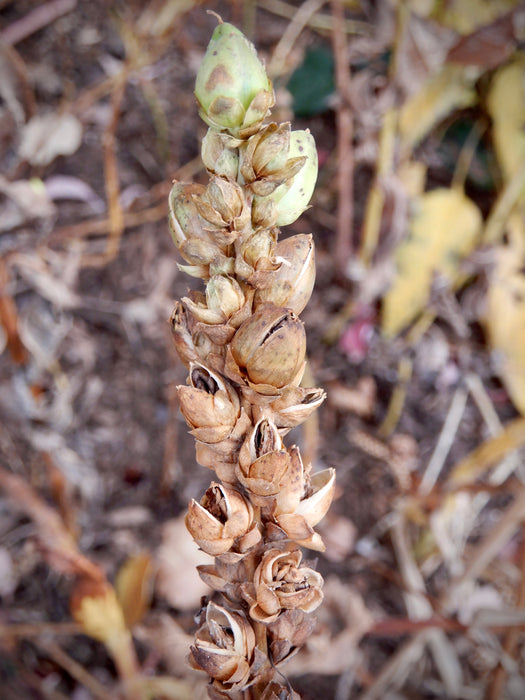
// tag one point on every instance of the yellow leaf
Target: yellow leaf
(412, 175)
(465, 16)
(444, 229)
(505, 321)
(506, 106)
(476, 464)
(134, 587)
(95, 607)
(450, 89)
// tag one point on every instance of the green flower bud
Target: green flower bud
(292, 197)
(232, 87)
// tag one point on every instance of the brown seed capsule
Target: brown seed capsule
(290, 631)
(270, 346)
(265, 152)
(222, 516)
(223, 204)
(291, 284)
(263, 463)
(265, 163)
(224, 297)
(295, 405)
(224, 647)
(210, 405)
(220, 154)
(280, 583)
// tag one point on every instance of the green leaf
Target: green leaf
(313, 83)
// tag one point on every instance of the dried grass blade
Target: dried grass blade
(490, 452)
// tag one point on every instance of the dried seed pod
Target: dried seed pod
(232, 87)
(263, 463)
(255, 255)
(321, 493)
(292, 283)
(220, 154)
(270, 346)
(265, 163)
(222, 516)
(224, 647)
(290, 631)
(265, 152)
(225, 576)
(224, 297)
(264, 213)
(295, 405)
(280, 583)
(224, 293)
(224, 204)
(210, 404)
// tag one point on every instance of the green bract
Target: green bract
(292, 197)
(232, 87)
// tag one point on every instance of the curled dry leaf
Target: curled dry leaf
(26, 200)
(47, 136)
(444, 229)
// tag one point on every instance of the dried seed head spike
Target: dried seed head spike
(245, 346)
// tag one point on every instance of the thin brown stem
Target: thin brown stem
(496, 688)
(345, 164)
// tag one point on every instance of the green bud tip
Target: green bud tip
(232, 87)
